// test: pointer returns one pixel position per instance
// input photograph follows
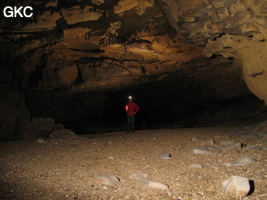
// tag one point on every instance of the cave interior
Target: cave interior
(186, 64)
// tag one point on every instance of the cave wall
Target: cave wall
(14, 115)
(234, 29)
(71, 56)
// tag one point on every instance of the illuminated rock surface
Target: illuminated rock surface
(80, 59)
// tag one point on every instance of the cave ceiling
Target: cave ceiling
(82, 46)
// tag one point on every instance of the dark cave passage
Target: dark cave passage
(169, 112)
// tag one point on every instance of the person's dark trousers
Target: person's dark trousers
(131, 122)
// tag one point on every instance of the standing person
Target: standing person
(131, 109)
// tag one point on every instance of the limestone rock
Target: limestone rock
(227, 146)
(46, 20)
(237, 185)
(76, 15)
(139, 176)
(232, 32)
(164, 156)
(202, 150)
(39, 128)
(14, 115)
(106, 179)
(154, 184)
(208, 142)
(97, 2)
(195, 166)
(63, 134)
(244, 161)
(69, 50)
(252, 147)
(124, 5)
(227, 164)
(40, 141)
(196, 139)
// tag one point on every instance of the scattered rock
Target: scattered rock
(226, 143)
(40, 141)
(252, 147)
(63, 134)
(194, 166)
(164, 156)
(237, 185)
(154, 184)
(202, 150)
(196, 139)
(106, 179)
(227, 146)
(227, 164)
(244, 161)
(250, 137)
(39, 128)
(139, 176)
(208, 142)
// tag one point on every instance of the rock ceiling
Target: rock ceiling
(78, 46)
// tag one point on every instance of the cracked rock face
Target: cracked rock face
(234, 29)
(80, 51)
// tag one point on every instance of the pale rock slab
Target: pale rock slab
(244, 161)
(106, 179)
(208, 142)
(237, 185)
(252, 147)
(40, 141)
(227, 146)
(202, 150)
(166, 156)
(227, 164)
(154, 184)
(196, 139)
(139, 176)
(196, 166)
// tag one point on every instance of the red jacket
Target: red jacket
(131, 108)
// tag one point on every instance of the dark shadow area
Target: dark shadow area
(159, 113)
(252, 187)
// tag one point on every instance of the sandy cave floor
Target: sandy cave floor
(64, 169)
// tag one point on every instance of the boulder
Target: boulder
(63, 134)
(14, 115)
(237, 185)
(39, 128)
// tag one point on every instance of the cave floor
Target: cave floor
(64, 169)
